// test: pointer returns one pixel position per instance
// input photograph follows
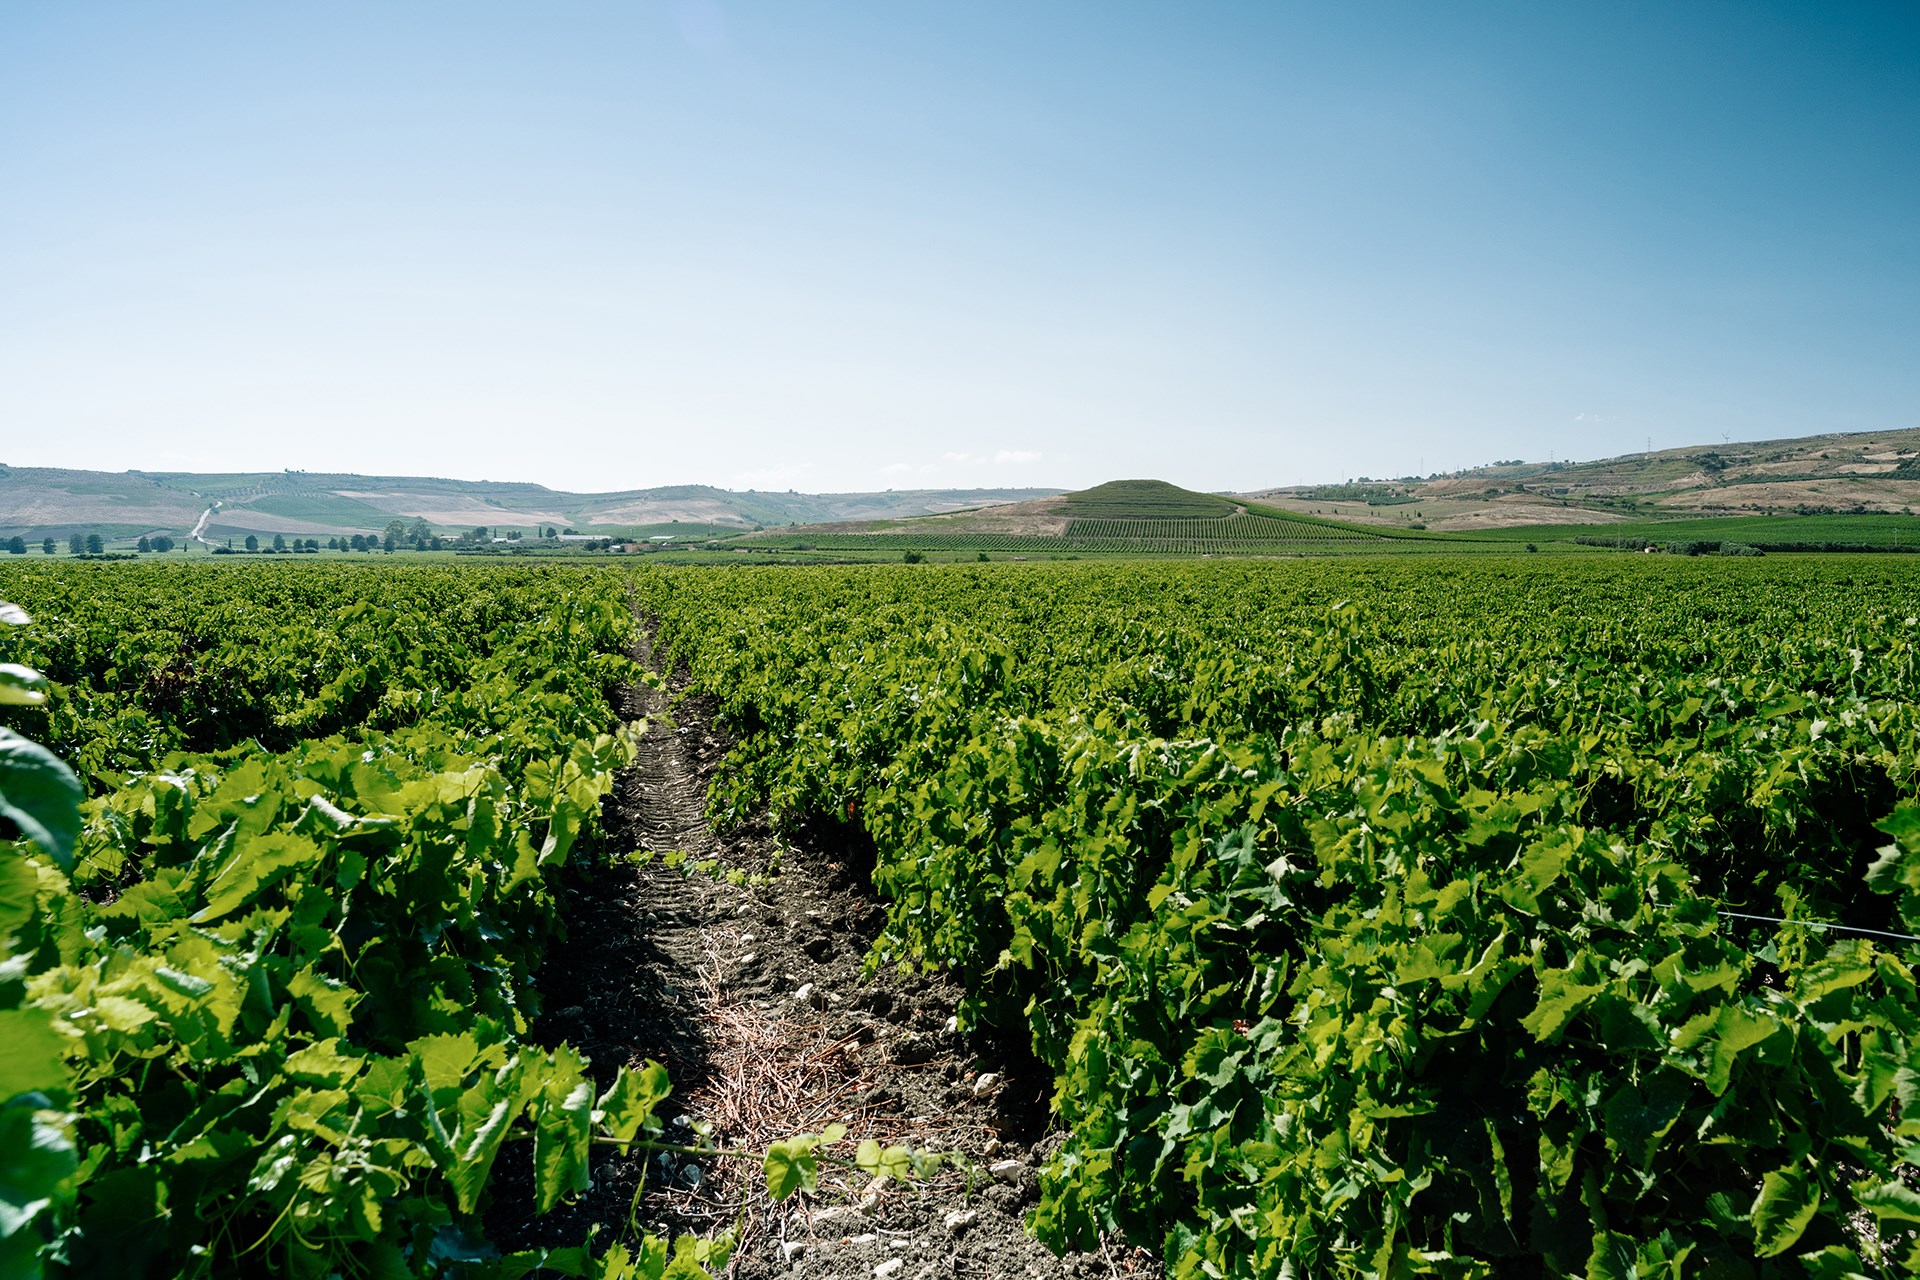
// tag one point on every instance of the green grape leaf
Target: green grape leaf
(628, 1104)
(486, 1114)
(21, 686)
(1786, 1204)
(884, 1162)
(1560, 999)
(41, 795)
(32, 1057)
(790, 1166)
(255, 865)
(1890, 1201)
(1835, 1262)
(563, 1129)
(327, 1003)
(792, 1163)
(19, 891)
(36, 1157)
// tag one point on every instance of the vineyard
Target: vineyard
(1241, 533)
(1370, 918)
(265, 996)
(1772, 533)
(1452, 918)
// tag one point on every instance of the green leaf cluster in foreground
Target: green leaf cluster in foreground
(1371, 918)
(263, 996)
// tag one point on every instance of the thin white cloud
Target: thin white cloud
(1017, 455)
(956, 457)
(897, 468)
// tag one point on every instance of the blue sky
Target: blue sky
(851, 246)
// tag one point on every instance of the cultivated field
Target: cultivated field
(1463, 916)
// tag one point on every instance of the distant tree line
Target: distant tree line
(416, 535)
(251, 543)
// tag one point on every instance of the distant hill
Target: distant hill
(1827, 492)
(1143, 500)
(1121, 517)
(1854, 473)
(42, 501)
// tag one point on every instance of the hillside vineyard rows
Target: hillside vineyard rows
(1373, 918)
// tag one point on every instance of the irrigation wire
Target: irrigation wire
(1819, 924)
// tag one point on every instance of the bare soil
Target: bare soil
(752, 996)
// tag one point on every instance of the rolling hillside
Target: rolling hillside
(1833, 477)
(40, 501)
(1121, 517)
(1856, 474)
(1153, 518)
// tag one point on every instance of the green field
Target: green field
(1784, 532)
(1371, 911)
(328, 509)
(1384, 916)
(1123, 518)
(688, 531)
(267, 995)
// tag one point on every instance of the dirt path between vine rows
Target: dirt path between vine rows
(747, 987)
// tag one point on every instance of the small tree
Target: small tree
(481, 534)
(390, 543)
(253, 543)
(16, 545)
(94, 545)
(419, 530)
(162, 544)
(48, 546)
(77, 544)
(396, 530)
(143, 545)
(279, 542)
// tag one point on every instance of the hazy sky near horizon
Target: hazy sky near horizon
(868, 245)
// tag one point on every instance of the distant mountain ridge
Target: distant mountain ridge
(47, 501)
